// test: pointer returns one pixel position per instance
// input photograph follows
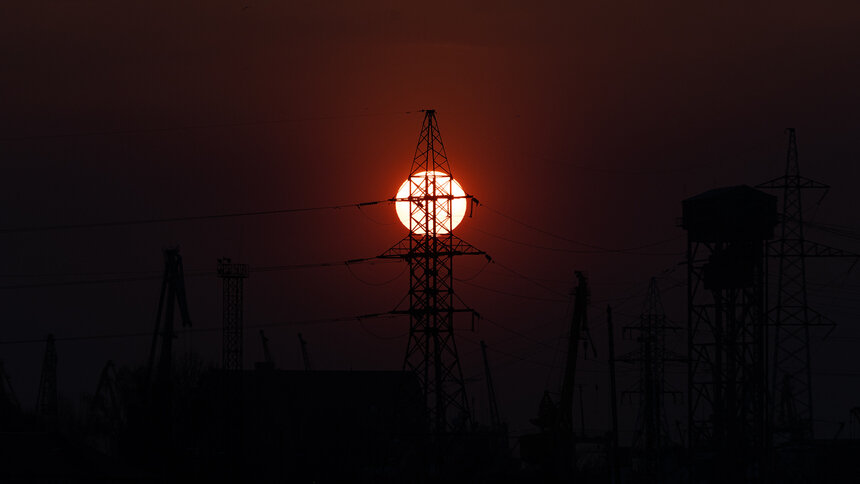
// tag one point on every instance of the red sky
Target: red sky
(588, 120)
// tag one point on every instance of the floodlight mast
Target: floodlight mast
(429, 249)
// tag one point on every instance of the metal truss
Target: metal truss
(791, 316)
(651, 436)
(232, 278)
(429, 249)
(727, 405)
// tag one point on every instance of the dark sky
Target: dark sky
(590, 121)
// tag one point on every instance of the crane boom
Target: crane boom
(267, 356)
(172, 293)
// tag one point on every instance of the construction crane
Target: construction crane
(154, 423)
(268, 362)
(577, 322)
(172, 293)
(553, 450)
(305, 359)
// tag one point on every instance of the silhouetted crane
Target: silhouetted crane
(172, 293)
(155, 422)
(268, 362)
(553, 450)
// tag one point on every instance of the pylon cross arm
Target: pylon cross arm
(792, 182)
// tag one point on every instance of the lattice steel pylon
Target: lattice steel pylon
(232, 279)
(651, 437)
(791, 316)
(46, 402)
(429, 249)
(727, 230)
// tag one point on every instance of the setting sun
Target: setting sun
(449, 212)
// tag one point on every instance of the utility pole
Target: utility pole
(616, 469)
(429, 249)
(577, 322)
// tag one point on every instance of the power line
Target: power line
(157, 276)
(376, 284)
(167, 129)
(578, 242)
(580, 251)
(529, 279)
(202, 330)
(835, 229)
(121, 223)
(518, 333)
(506, 293)
(510, 355)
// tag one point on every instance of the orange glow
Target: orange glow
(449, 212)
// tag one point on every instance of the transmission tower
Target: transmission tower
(429, 249)
(727, 230)
(792, 317)
(46, 403)
(651, 437)
(232, 279)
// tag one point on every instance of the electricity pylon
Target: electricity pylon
(651, 437)
(792, 318)
(429, 249)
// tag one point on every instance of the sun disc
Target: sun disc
(448, 212)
